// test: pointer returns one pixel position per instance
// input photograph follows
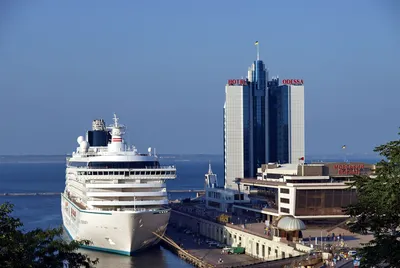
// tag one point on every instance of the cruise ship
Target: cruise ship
(114, 196)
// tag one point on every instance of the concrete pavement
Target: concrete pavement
(210, 254)
(351, 240)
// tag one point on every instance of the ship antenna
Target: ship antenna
(115, 120)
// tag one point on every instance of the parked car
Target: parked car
(352, 253)
(220, 245)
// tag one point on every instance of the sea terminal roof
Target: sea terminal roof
(289, 223)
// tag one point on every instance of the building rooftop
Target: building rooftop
(318, 169)
(262, 182)
(243, 223)
(272, 166)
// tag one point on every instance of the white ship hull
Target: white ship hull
(121, 232)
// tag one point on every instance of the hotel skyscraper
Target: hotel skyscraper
(246, 125)
(263, 123)
(286, 122)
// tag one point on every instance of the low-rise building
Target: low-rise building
(220, 198)
(315, 193)
(268, 247)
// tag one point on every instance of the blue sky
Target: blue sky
(162, 66)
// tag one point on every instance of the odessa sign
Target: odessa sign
(237, 82)
(292, 81)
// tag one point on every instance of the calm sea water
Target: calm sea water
(47, 174)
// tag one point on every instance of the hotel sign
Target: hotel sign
(295, 82)
(237, 82)
(349, 169)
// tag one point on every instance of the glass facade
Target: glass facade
(268, 195)
(245, 125)
(246, 133)
(259, 99)
(224, 143)
(278, 122)
(323, 202)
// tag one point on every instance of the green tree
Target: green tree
(377, 210)
(37, 248)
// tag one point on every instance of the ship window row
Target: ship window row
(127, 173)
(113, 165)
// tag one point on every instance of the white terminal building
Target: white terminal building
(314, 193)
(220, 198)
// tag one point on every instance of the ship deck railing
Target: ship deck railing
(103, 151)
(122, 208)
(120, 203)
(130, 169)
(127, 209)
(102, 196)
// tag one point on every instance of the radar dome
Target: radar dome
(80, 139)
(84, 145)
(149, 149)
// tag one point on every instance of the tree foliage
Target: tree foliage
(377, 210)
(37, 248)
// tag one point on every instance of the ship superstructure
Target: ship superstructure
(115, 196)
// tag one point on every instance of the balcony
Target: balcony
(125, 194)
(125, 185)
(268, 198)
(128, 203)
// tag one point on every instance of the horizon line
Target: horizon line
(208, 154)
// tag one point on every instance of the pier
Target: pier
(193, 248)
(203, 234)
(58, 193)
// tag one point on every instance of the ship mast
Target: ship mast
(115, 120)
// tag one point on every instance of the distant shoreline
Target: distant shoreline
(352, 155)
(213, 158)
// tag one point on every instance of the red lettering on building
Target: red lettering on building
(293, 81)
(344, 169)
(237, 82)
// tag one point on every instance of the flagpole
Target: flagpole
(258, 52)
(344, 153)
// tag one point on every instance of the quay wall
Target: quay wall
(234, 235)
(184, 255)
